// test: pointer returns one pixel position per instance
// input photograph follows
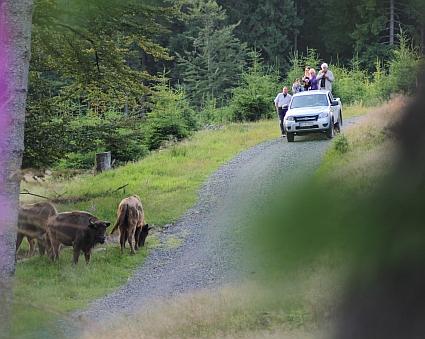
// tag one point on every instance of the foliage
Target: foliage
(211, 64)
(253, 99)
(171, 119)
(89, 60)
(162, 127)
(351, 85)
(71, 141)
(404, 67)
(269, 26)
(299, 63)
(88, 48)
(341, 144)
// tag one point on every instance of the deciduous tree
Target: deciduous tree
(91, 52)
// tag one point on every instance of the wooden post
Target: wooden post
(102, 162)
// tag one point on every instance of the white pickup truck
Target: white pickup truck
(312, 112)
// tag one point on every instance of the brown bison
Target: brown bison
(32, 224)
(81, 230)
(131, 222)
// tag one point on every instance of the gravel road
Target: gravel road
(205, 258)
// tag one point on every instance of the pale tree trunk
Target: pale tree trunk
(15, 39)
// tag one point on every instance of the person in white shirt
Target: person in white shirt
(282, 102)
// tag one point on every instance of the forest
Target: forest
(132, 76)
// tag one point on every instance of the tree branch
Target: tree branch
(120, 188)
(25, 191)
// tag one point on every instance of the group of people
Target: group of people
(310, 81)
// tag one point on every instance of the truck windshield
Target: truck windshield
(309, 100)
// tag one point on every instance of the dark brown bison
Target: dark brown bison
(131, 222)
(32, 224)
(81, 230)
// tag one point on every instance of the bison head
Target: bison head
(100, 228)
(142, 233)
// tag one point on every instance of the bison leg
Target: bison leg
(31, 246)
(130, 241)
(136, 237)
(87, 256)
(76, 255)
(123, 238)
(19, 239)
(54, 252)
(41, 245)
(47, 243)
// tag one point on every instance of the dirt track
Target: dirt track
(206, 256)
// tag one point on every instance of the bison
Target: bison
(131, 222)
(81, 230)
(32, 224)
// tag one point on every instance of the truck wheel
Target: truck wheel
(330, 133)
(290, 137)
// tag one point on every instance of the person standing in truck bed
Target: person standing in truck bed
(325, 78)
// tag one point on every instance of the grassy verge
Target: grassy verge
(354, 111)
(364, 150)
(166, 181)
(252, 310)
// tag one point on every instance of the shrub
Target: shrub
(161, 128)
(71, 142)
(250, 108)
(341, 144)
(253, 99)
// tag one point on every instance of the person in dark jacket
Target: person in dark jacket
(313, 81)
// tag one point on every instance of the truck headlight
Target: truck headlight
(290, 118)
(323, 115)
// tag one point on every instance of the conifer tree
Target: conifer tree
(214, 58)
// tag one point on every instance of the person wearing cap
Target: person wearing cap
(281, 102)
(325, 78)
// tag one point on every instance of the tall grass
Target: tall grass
(365, 148)
(252, 310)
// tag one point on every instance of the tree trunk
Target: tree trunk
(102, 162)
(391, 22)
(296, 35)
(15, 40)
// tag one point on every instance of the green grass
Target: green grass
(363, 151)
(166, 181)
(44, 289)
(354, 111)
